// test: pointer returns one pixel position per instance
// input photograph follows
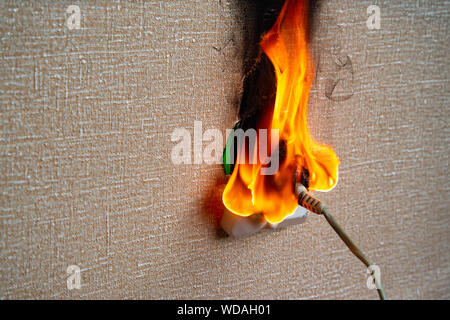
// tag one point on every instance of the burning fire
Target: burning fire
(249, 192)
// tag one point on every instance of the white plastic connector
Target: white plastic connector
(239, 226)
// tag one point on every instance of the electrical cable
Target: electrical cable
(313, 204)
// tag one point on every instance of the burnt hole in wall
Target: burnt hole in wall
(259, 84)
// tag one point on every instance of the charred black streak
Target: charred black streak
(259, 84)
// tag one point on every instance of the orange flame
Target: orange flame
(249, 192)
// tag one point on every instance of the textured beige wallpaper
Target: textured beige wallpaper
(86, 176)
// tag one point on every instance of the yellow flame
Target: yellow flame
(249, 192)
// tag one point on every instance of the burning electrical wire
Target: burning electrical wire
(253, 199)
(311, 203)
